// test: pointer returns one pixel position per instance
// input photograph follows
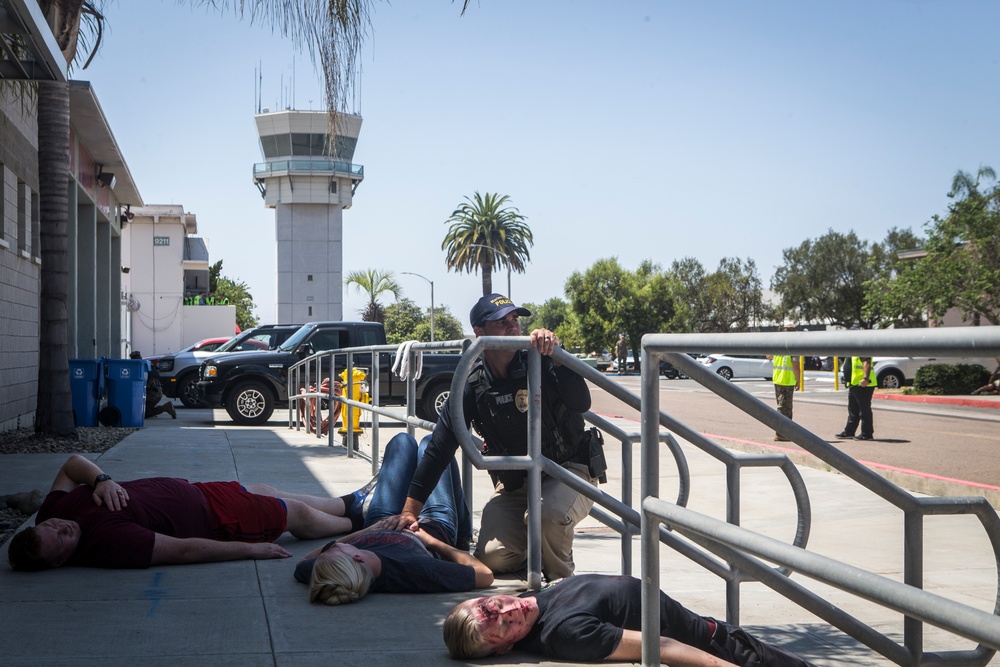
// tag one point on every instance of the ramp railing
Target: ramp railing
(740, 548)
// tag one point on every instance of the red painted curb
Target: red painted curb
(942, 400)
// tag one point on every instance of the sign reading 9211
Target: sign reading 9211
(161, 240)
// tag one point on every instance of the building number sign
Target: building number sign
(161, 240)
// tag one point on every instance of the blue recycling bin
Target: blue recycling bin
(126, 380)
(86, 382)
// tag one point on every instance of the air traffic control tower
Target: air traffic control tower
(308, 186)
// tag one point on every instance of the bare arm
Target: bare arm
(672, 652)
(174, 550)
(80, 470)
(484, 575)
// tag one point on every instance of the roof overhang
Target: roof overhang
(28, 50)
(93, 131)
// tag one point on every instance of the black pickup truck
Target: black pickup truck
(250, 385)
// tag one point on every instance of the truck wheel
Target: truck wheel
(250, 404)
(187, 390)
(433, 401)
(890, 379)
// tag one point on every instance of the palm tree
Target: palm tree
(484, 234)
(374, 283)
(333, 30)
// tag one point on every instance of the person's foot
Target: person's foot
(844, 434)
(863, 437)
(356, 508)
(171, 410)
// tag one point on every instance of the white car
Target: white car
(732, 366)
(896, 372)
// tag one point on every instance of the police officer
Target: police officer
(496, 404)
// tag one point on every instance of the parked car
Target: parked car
(732, 366)
(179, 372)
(896, 372)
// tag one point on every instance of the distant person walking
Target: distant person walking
(859, 376)
(786, 381)
(621, 351)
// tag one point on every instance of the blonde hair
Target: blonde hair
(462, 635)
(339, 579)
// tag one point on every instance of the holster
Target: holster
(593, 454)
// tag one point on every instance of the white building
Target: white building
(308, 186)
(165, 269)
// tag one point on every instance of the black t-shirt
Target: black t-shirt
(581, 618)
(407, 565)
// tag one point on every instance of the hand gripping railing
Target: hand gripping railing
(734, 544)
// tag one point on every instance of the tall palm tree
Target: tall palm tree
(374, 283)
(332, 30)
(485, 234)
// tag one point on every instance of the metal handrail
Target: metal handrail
(730, 542)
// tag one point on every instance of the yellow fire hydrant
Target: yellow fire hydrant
(359, 394)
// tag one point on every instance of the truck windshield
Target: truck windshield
(296, 338)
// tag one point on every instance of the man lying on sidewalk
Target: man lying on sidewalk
(595, 617)
(89, 519)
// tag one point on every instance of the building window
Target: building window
(3, 206)
(309, 278)
(23, 214)
(310, 311)
(36, 225)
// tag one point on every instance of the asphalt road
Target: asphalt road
(949, 441)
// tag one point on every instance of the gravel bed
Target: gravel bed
(25, 441)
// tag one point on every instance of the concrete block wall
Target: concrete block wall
(19, 267)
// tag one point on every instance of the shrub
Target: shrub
(949, 378)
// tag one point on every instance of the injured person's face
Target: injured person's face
(503, 620)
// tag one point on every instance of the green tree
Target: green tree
(405, 320)
(962, 266)
(609, 300)
(594, 295)
(729, 299)
(486, 234)
(332, 32)
(236, 293)
(374, 283)
(889, 300)
(555, 315)
(823, 280)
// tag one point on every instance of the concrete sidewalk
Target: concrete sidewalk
(254, 613)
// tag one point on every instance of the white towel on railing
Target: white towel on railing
(401, 367)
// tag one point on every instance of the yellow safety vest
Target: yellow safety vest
(858, 372)
(784, 372)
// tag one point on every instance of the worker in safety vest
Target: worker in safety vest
(786, 381)
(859, 376)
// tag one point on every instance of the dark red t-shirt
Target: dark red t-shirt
(124, 539)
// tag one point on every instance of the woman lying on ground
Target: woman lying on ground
(433, 558)
(595, 617)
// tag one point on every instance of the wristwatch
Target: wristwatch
(103, 477)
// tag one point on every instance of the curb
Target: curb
(942, 400)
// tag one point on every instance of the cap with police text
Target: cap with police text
(494, 307)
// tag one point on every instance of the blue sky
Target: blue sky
(639, 130)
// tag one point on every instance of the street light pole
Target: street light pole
(493, 250)
(410, 273)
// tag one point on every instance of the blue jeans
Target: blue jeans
(445, 514)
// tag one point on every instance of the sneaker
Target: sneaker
(844, 434)
(863, 437)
